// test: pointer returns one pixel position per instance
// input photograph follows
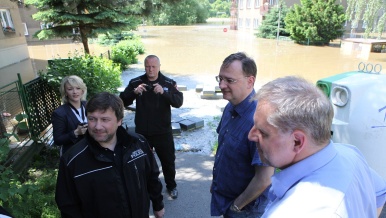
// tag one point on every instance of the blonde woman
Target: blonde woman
(69, 121)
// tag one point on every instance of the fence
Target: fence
(106, 54)
(37, 100)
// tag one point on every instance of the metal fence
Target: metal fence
(37, 100)
(106, 54)
(10, 105)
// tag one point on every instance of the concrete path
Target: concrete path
(194, 176)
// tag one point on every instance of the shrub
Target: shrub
(126, 52)
(99, 74)
(31, 195)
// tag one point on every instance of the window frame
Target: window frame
(7, 22)
(26, 33)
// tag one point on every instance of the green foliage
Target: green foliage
(99, 74)
(126, 52)
(112, 39)
(315, 22)
(371, 12)
(85, 19)
(184, 13)
(32, 197)
(220, 8)
(268, 27)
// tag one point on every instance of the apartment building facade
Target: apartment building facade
(14, 55)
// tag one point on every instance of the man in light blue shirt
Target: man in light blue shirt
(317, 178)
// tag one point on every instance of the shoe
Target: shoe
(173, 193)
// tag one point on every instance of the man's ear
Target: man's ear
(251, 81)
(299, 140)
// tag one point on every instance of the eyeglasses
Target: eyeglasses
(227, 80)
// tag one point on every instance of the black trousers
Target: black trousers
(164, 148)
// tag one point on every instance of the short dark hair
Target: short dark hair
(248, 64)
(103, 101)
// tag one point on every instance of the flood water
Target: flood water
(192, 53)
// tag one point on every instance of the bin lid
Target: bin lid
(325, 83)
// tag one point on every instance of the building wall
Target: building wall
(14, 55)
(251, 12)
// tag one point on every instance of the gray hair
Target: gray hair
(298, 105)
(248, 64)
(74, 81)
(152, 56)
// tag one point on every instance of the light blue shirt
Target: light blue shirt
(334, 182)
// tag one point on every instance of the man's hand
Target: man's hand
(160, 213)
(141, 88)
(158, 89)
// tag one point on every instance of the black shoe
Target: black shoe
(173, 193)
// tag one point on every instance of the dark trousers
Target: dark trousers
(164, 147)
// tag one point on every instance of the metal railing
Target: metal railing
(37, 100)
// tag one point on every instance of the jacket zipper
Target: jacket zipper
(136, 171)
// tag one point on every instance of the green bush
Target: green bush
(126, 52)
(268, 28)
(28, 194)
(315, 22)
(186, 12)
(99, 74)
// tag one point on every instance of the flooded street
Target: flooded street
(191, 53)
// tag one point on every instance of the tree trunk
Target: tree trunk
(84, 38)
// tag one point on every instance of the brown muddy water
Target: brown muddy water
(191, 52)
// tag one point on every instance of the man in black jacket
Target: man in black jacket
(109, 173)
(155, 94)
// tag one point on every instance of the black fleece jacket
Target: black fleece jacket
(92, 182)
(153, 112)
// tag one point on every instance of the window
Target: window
(354, 24)
(240, 23)
(247, 23)
(44, 25)
(75, 31)
(249, 2)
(271, 2)
(6, 21)
(255, 23)
(25, 29)
(364, 24)
(241, 4)
(257, 3)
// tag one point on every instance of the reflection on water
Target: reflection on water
(200, 50)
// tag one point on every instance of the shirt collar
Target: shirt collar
(285, 179)
(240, 108)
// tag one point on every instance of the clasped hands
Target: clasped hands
(156, 88)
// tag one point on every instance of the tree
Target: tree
(315, 21)
(82, 19)
(220, 6)
(372, 12)
(184, 13)
(268, 28)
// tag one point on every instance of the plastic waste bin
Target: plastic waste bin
(359, 102)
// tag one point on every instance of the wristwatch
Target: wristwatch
(235, 208)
